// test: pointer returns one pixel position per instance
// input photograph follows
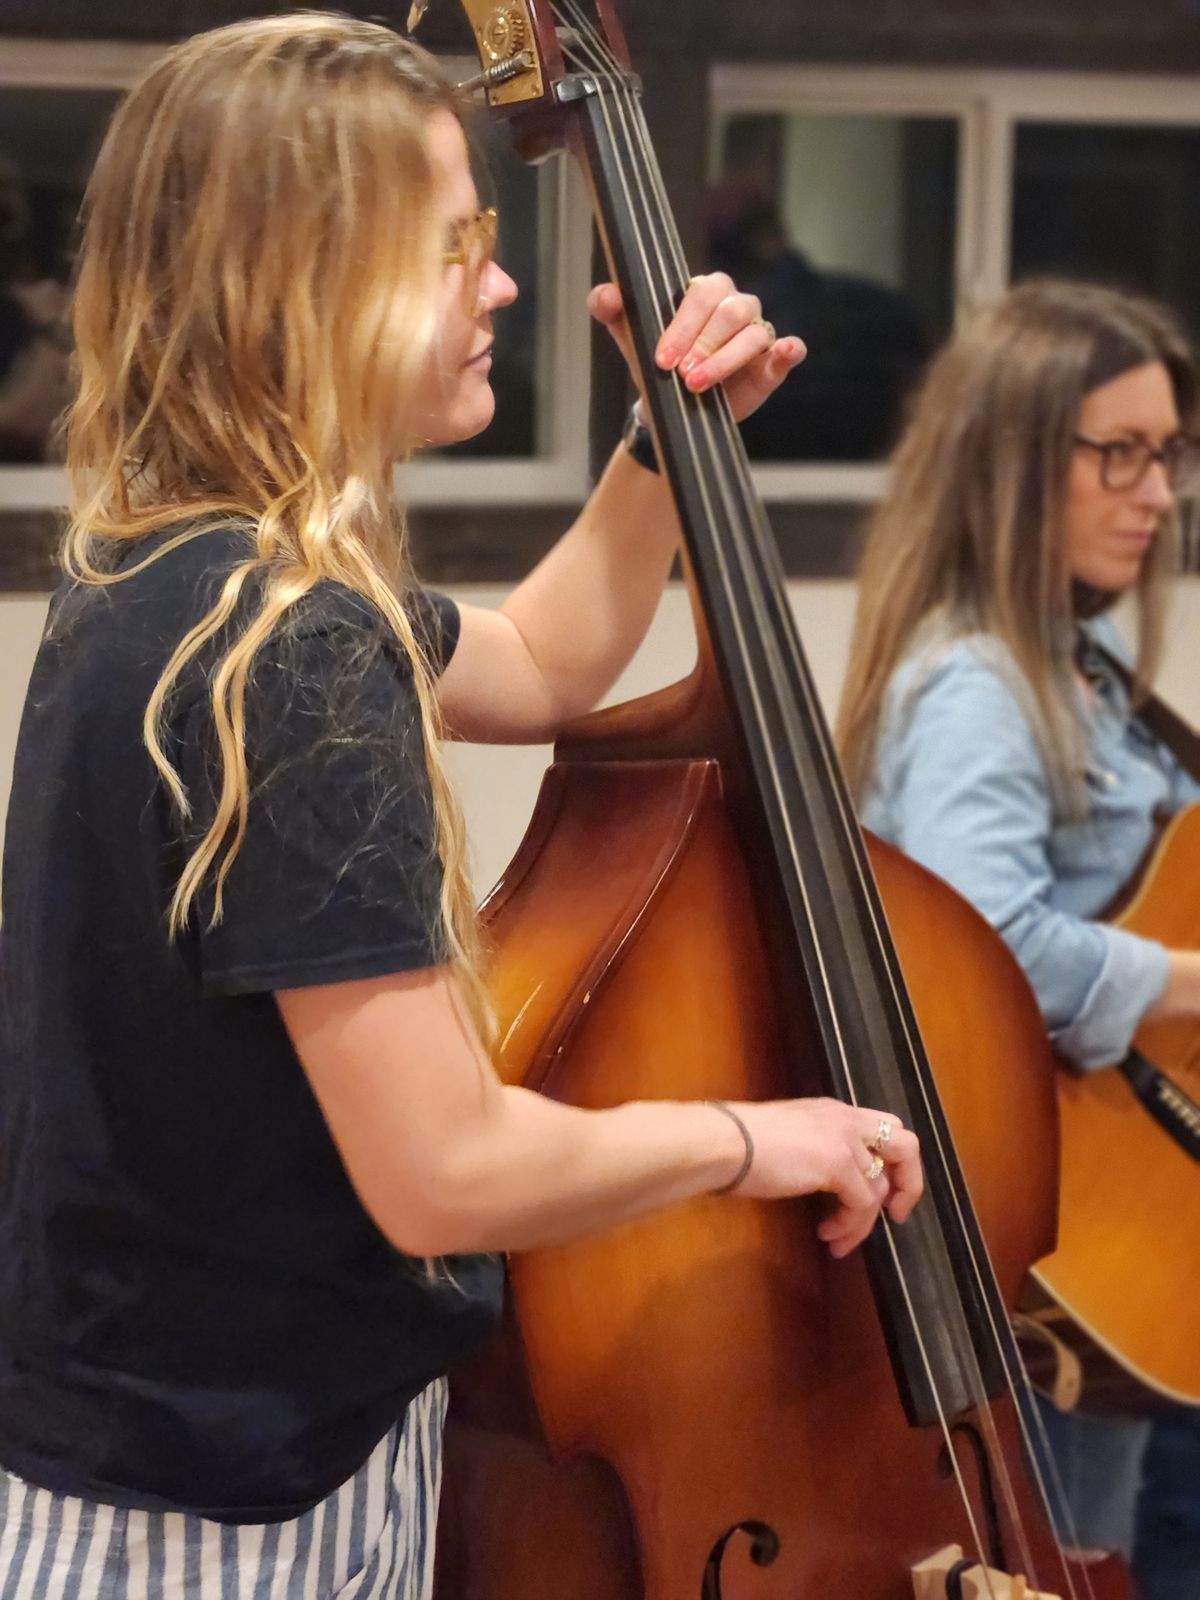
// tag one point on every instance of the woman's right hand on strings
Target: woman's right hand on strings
(446, 1158)
(825, 1146)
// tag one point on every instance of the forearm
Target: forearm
(585, 608)
(535, 1172)
(447, 1158)
(1180, 996)
(1094, 982)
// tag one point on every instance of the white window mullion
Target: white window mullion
(989, 204)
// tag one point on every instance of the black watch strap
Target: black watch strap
(639, 441)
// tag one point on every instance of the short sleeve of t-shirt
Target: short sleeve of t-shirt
(338, 875)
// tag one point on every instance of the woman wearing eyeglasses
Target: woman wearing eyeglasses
(985, 734)
(245, 1092)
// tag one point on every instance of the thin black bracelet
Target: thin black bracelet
(748, 1159)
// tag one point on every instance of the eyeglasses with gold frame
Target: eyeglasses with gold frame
(472, 242)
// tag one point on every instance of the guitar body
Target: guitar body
(1129, 1214)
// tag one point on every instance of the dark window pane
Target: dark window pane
(48, 141)
(1115, 205)
(524, 197)
(845, 227)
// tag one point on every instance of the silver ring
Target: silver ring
(883, 1134)
(875, 1169)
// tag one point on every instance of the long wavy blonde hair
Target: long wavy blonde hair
(257, 295)
(971, 533)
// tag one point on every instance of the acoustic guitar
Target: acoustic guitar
(1119, 1288)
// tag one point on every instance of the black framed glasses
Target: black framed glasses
(1125, 462)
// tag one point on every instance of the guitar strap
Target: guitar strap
(1170, 1105)
(1165, 723)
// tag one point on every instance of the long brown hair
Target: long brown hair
(257, 295)
(971, 533)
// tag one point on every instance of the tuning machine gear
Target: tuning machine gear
(505, 34)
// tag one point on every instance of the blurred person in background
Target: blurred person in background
(867, 346)
(34, 338)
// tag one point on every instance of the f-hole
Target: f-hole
(987, 1489)
(764, 1548)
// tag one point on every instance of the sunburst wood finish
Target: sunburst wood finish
(1128, 1253)
(660, 1384)
(693, 914)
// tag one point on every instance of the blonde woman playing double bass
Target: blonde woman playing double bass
(986, 734)
(243, 1071)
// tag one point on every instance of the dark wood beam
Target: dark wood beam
(1093, 35)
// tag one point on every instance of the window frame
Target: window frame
(988, 105)
(557, 474)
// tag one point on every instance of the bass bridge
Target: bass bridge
(949, 1576)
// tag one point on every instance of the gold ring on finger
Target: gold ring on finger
(883, 1134)
(874, 1170)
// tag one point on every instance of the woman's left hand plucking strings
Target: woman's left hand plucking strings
(717, 336)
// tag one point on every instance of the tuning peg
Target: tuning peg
(415, 12)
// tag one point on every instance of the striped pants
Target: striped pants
(372, 1539)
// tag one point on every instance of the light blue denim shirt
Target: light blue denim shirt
(960, 786)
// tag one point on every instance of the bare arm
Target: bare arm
(446, 1158)
(565, 634)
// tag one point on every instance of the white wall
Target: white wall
(498, 784)
(21, 622)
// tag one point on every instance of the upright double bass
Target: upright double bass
(704, 1403)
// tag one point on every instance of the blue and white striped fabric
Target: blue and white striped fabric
(372, 1539)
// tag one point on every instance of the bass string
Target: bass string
(1010, 1359)
(699, 458)
(636, 142)
(702, 460)
(1006, 1346)
(1041, 1461)
(756, 587)
(965, 1353)
(1016, 1375)
(1053, 1497)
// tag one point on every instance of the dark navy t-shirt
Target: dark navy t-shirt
(195, 1310)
